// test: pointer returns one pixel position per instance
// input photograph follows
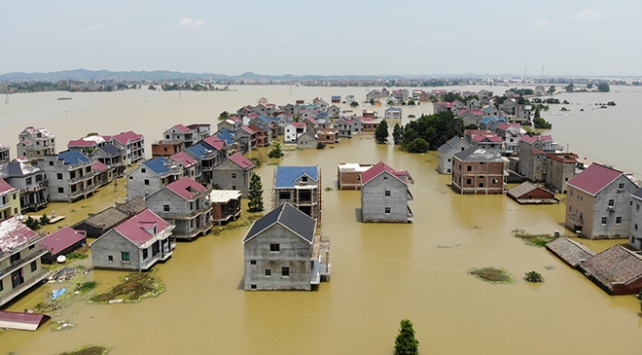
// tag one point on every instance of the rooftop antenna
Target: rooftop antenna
(525, 73)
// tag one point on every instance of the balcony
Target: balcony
(409, 195)
(23, 287)
(185, 215)
(575, 219)
(35, 253)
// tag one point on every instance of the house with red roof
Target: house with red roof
(246, 137)
(103, 175)
(186, 202)
(35, 143)
(132, 143)
(191, 166)
(20, 253)
(234, 173)
(484, 139)
(62, 242)
(181, 133)
(135, 244)
(599, 202)
(385, 195)
(294, 130)
(532, 156)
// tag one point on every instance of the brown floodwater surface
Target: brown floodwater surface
(382, 273)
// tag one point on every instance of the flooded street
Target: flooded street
(382, 273)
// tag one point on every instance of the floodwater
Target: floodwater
(382, 273)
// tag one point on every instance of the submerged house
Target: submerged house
(226, 206)
(529, 193)
(385, 195)
(31, 183)
(62, 242)
(20, 253)
(349, 175)
(97, 224)
(617, 270)
(136, 244)
(446, 151)
(282, 251)
(299, 186)
(70, 175)
(234, 173)
(151, 176)
(478, 171)
(34, 143)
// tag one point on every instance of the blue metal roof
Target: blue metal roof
(226, 135)
(158, 165)
(73, 157)
(110, 149)
(287, 175)
(200, 150)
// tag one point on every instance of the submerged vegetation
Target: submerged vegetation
(533, 276)
(493, 275)
(88, 350)
(133, 288)
(535, 240)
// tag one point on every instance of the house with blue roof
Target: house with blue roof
(113, 157)
(151, 176)
(70, 175)
(299, 186)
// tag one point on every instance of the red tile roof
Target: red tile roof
(127, 137)
(181, 128)
(594, 178)
(80, 143)
(241, 161)
(531, 139)
(98, 166)
(248, 129)
(377, 169)
(61, 240)
(14, 234)
(134, 229)
(5, 187)
(215, 142)
(185, 158)
(186, 187)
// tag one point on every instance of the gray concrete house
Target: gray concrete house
(635, 239)
(34, 143)
(393, 113)
(70, 176)
(307, 140)
(532, 156)
(151, 176)
(136, 244)
(185, 202)
(283, 252)
(5, 157)
(446, 151)
(131, 143)
(560, 168)
(30, 181)
(385, 195)
(97, 224)
(299, 186)
(234, 173)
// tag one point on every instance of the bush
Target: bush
(534, 276)
(276, 152)
(418, 145)
(406, 343)
(541, 123)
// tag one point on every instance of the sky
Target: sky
(329, 37)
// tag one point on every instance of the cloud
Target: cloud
(189, 23)
(588, 15)
(285, 40)
(96, 27)
(540, 23)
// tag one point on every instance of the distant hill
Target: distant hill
(164, 75)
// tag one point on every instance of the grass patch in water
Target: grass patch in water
(88, 350)
(133, 288)
(535, 240)
(241, 223)
(493, 275)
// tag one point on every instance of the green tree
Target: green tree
(397, 134)
(418, 145)
(44, 219)
(411, 102)
(569, 88)
(551, 90)
(151, 87)
(32, 223)
(255, 194)
(354, 104)
(224, 115)
(541, 123)
(406, 343)
(589, 85)
(536, 114)
(435, 129)
(603, 87)
(381, 134)
(276, 152)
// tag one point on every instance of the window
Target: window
(268, 272)
(285, 271)
(146, 181)
(165, 208)
(637, 207)
(110, 258)
(59, 176)
(253, 287)
(28, 181)
(233, 175)
(481, 184)
(469, 181)
(449, 160)
(635, 227)
(387, 193)
(51, 163)
(143, 170)
(571, 192)
(32, 246)
(385, 178)
(620, 186)
(387, 210)
(275, 247)
(34, 266)
(611, 203)
(1, 286)
(603, 220)
(252, 262)
(125, 256)
(145, 253)
(469, 168)
(618, 220)
(570, 208)
(61, 190)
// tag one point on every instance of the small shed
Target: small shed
(62, 242)
(570, 251)
(22, 321)
(529, 193)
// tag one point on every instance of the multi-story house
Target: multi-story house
(300, 186)
(635, 239)
(209, 152)
(532, 156)
(20, 253)
(385, 195)
(226, 206)
(483, 139)
(446, 151)
(294, 130)
(282, 251)
(70, 176)
(599, 202)
(307, 140)
(151, 176)
(131, 143)
(246, 137)
(200, 130)
(180, 133)
(34, 143)
(344, 127)
(112, 157)
(136, 244)
(511, 133)
(478, 171)
(400, 94)
(9, 200)
(560, 168)
(191, 166)
(233, 173)
(327, 136)
(31, 183)
(5, 157)
(393, 113)
(349, 175)
(185, 202)
(87, 144)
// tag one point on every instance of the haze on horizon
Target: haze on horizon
(579, 38)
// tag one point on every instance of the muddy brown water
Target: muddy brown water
(382, 273)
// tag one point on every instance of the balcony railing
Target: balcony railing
(35, 253)
(23, 286)
(185, 215)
